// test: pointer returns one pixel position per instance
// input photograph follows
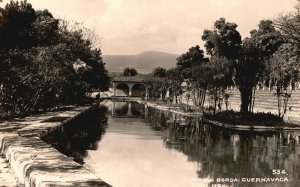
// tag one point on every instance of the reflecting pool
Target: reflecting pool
(129, 144)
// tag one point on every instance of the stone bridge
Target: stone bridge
(131, 86)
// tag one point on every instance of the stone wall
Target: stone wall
(266, 101)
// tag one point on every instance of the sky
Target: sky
(173, 26)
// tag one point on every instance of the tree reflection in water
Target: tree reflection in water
(122, 109)
(218, 152)
(223, 153)
(77, 136)
(137, 110)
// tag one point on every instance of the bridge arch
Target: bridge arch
(122, 89)
(131, 86)
(138, 90)
(130, 89)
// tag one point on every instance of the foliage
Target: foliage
(224, 40)
(43, 63)
(237, 118)
(16, 25)
(255, 51)
(223, 43)
(175, 79)
(46, 28)
(129, 72)
(190, 59)
(159, 72)
(158, 87)
(289, 24)
(245, 58)
(187, 66)
(283, 69)
(220, 79)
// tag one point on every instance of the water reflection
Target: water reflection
(225, 153)
(127, 109)
(144, 146)
(76, 137)
(222, 153)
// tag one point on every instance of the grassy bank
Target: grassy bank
(232, 117)
(251, 119)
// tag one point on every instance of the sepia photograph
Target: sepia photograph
(149, 93)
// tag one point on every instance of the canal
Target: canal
(128, 144)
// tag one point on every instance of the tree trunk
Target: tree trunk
(195, 96)
(203, 99)
(246, 95)
(278, 93)
(215, 100)
(253, 100)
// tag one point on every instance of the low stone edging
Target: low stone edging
(252, 128)
(36, 163)
(217, 123)
(171, 109)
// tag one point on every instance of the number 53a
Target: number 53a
(278, 172)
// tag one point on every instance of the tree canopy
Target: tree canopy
(43, 62)
(159, 72)
(130, 72)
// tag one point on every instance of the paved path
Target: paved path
(7, 178)
(35, 163)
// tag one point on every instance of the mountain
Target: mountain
(144, 62)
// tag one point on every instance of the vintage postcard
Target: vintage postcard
(150, 93)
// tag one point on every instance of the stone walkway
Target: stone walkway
(35, 163)
(7, 178)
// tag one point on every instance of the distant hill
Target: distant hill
(144, 62)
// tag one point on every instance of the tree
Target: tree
(289, 24)
(16, 25)
(223, 44)
(158, 87)
(129, 72)
(46, 28)
(159, 72)
(283, 69)
(190, 59)
(186, 63)
(201, 80)
(175, 79)
(39, 56)
(223, 41)
(220, 79)
(245, 58)
(255, 51)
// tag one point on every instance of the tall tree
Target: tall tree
(223, 41)
(186, 65)
(190, 59)
(283, 69)
(223, 44)
(46, 28)
(255, 51)
(175, 80)
(246, 58)
(16, 27)
(39, 58)
(289, 25)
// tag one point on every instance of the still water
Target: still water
(128, 144)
